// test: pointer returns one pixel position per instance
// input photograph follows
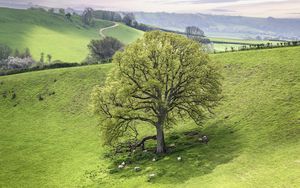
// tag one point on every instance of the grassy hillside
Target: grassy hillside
(254, 137)
(51, 33)
(124, 33)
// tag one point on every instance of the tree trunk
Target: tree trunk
(161, 147)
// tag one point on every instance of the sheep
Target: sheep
(151, 176)
(205, 139)
(137, 169)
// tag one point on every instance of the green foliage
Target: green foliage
(42, 58)
(5, 51)
(61, 11)
(103, 50)
(68, 16)
(129, 19)
(49, 58)
(87, 17)
(159, 80)
(107, 15)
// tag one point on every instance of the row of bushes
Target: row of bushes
(53, 65)
(262, 46)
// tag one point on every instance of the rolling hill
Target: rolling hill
(53, 34)
(224, 26)
(50, 139)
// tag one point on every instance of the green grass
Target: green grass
(124, 33)
(254, 136)
(52, 33)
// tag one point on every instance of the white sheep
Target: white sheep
(150, 177)
(137, 169)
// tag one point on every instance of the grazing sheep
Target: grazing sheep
(153, 159)
(151, 176)
(205, 139)
(179, 159)
(123, 163)
(137, 169)
(121, 166)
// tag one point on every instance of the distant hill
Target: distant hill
(226, 26)
(54, 34)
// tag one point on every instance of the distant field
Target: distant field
(243, 41)
(222, 47)
(254, 137)
(52, 33)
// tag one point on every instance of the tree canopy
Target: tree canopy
(87, 16)
(157, 80)
(5, 51)
(103, 50)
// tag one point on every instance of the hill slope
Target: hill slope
(221, 25)
(50, 33)
(52, 140)
(124, 33)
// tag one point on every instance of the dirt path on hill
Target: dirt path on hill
(106, 28)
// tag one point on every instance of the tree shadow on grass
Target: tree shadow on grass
(198, 159)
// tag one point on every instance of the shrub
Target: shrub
(5, 52)
(17, 63)
(103, 50)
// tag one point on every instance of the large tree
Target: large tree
(157, 80)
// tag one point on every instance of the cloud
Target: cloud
(256, 8)
(222, 10)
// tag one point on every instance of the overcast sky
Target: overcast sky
(254, 8)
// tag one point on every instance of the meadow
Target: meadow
(124, 33)
(49, 138)
(54, 34)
